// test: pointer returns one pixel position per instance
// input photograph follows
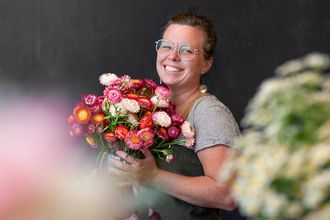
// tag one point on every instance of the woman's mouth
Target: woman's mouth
(172, 69)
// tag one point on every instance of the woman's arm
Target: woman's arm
(204, 191)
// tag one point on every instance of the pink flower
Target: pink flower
(189, 142)
(90, 99)
(162, 92)
(97, 107)
(71, 119)
(177, 119)
(161, 118)
(170, 158)
(91, 128)
(113, 95)
(150, 83)
(147, 136)
(173, 132)
(76, 129)
(125, 83)
(133, 141)
(187, 130)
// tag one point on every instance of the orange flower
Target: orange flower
(98, 118)
(82, 114)
(132, 96)
(91, 141)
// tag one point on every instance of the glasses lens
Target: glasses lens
(164, 47)
(186, 52)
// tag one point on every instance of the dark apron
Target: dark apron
(185, 163)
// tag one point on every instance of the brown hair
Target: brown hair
(201, 22)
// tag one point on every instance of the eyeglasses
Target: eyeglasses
(166, 47)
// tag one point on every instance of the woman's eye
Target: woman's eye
(186, 50)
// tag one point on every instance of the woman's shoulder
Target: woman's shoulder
(208, 103)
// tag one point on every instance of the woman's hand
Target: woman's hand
(141, 171)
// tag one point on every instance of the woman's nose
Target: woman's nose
(174, 55)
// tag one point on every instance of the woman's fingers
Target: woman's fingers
(129, 158)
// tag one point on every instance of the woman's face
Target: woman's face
(176, 72)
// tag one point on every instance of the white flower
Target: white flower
(108, 79)
(161, 118)
(130, 105)
(316, 60)
(187, 130)
(116, 109)
(315, 188)
(273, 203)
(281, 170)
(132, 119)
(293, 209)
(289, 67)
(159, 102)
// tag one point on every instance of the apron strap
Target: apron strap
(191, 103)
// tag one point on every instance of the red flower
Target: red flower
(121, 132)
(171, 109)
(150, 83)
(146, 122)
(162, 133)
(137, 83)
(109, 136)
(145, 103)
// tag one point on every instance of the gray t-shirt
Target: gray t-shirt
(213, 122)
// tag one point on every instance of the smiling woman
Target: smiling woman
(188, 187)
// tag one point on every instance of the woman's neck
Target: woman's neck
(182, 98)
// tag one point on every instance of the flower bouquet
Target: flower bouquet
(130, 115)
(282, 168)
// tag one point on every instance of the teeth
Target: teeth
(172, 69)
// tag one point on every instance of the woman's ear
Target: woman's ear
(207, 65)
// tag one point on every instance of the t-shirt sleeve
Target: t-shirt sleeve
(214, 124)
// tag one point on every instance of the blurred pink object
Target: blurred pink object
(34, 146)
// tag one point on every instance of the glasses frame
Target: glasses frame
(195, 51)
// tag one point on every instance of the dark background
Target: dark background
(62, 46)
